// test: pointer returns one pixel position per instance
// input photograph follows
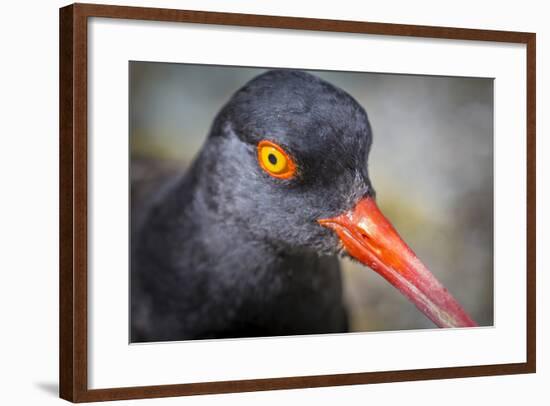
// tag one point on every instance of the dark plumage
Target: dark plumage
(229, 251)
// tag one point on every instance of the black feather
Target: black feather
(229, 251)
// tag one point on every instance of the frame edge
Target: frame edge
(298, 23)
(531, 178)
(73, 343)
(66, 298)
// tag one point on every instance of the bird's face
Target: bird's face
(288, 158)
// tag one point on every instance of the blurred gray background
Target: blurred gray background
(431, 164)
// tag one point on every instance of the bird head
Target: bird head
(287, 161)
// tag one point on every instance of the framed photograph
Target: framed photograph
(255, 202)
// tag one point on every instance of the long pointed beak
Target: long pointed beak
(371, 239)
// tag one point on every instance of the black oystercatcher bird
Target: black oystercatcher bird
(246, 243)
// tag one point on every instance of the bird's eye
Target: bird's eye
(275, 161)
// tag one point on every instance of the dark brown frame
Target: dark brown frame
(73, 201)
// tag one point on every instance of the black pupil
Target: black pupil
(272, 158)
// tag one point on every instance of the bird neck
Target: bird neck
(196, 209)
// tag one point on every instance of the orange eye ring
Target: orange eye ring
(275, 161)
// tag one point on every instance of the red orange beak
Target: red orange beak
(371, 239)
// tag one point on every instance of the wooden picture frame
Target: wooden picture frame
(73, 207)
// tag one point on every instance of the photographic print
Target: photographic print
(273, 202)
(220, 207)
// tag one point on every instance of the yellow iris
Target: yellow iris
(275, 161)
